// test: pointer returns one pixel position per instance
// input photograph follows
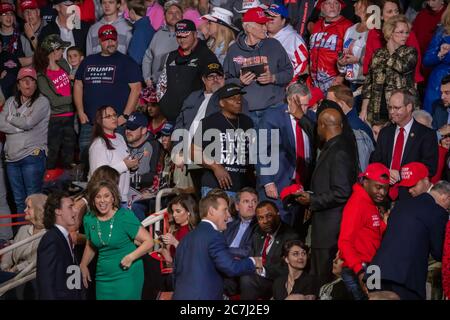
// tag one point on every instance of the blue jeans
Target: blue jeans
(26, 177)
(357, 100)
(352, 283)
(205, 191)
(85, 138)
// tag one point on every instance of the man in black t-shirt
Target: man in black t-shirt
(224, 142)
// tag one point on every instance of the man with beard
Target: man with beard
(106, 78)
(440, 108)
(362, 226)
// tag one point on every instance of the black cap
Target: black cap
(184, 26)
(229, 90)
(212, 68)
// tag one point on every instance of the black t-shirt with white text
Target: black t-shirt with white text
(233, 146)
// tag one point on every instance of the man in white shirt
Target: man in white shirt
(56, 273)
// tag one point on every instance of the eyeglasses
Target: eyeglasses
(402, 32)
(10, 14)
(390, 108)
(212, 77)
(110, 116)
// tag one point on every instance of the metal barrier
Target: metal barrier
(24, 275)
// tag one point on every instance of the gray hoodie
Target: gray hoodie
(26, 127)
(268, 51)
(164, 41)
(123, 32)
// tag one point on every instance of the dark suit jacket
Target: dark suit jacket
(416, 228)
(279, 119)
(332, 180)
(421, 146)
(53, 259)
(79, 35)
(201, 259)
(243, 251)
(440, 115)
(275, 265)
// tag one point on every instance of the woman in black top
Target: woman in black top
(297, 284)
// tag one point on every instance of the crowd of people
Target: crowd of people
(306, 144)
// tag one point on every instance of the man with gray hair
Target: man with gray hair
(416, 229)
(260, 63)
(423, 117)
(293, 134)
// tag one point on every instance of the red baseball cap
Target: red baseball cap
(287, 191)
(412, 173)
(255, 15)
(28, 4)
(6, 7)
(107, 32)
(26, 72)
(376, 172)
(316, 96)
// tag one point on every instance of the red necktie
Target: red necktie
(398, 149)
(266, 245)
(397, 161)
(300, 154)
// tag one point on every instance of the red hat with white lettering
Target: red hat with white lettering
(412, 173)
(28, 4)
(255, 15)
(290, 190)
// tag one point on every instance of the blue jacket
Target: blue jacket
(243, 251)
(142, 36)
(440, 115)
(201, 261)
(441, 68)
(416, 228)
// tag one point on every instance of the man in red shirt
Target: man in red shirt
(362, 226)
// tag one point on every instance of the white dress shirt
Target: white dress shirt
(407, 128)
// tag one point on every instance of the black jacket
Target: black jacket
(275, 265)
(332, 180)
(53, 259)
(421, 146)
(184, 77)
(79, 35)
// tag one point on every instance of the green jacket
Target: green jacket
(58, 103)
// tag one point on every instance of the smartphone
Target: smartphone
(340, 55)
(138, 155)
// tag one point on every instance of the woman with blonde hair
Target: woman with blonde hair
(437, 58)
(22, 257)
(220, 31)
(392, 68)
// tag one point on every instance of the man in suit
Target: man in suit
(332, 180)
(295, 157)
(416, 229)
(202, 257)
(268, 241)
(405, 140)
(55, 251)
(240, 231)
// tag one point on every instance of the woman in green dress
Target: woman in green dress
(112, 232)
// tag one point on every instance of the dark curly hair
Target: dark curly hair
(53, 202)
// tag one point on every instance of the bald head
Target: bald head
(329, 124)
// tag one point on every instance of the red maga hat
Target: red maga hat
(377, 172)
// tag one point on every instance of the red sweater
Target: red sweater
(362, 228)
(375, 41)
(446, 263)
(425, 25)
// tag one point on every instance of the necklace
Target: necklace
(231, 123)
(99, 231)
